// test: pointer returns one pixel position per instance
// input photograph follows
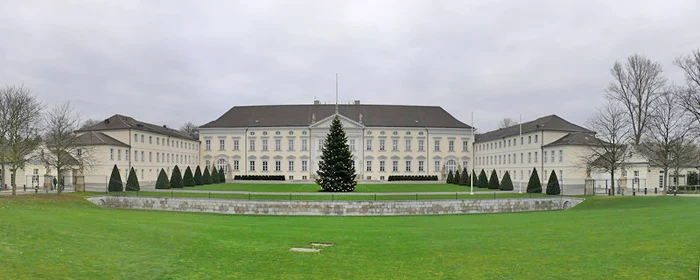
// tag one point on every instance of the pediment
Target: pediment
(345, 121)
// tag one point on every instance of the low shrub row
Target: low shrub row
(260, 177)
(412, 178)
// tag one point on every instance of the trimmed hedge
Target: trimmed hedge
(412, 178)
(506, 182)
(553, 184)
(222, 176)
(450, 178)
(176, 178)
(188, 178)
(132, 183)
(115, 181)
(198, 180)
(534, 185)
(162, 182)
(260, 177)
(214, 175)
(206, 176)
(483, 180)
(493, 182)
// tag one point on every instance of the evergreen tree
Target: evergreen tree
(336, 172)
(506, 182)
(222, 176)
(188, 178)
(493, 182)
(198, 180)
(464, 178)
(553, 184)
(176, 178)
(115, 181)
(457, 178)
(475, 179)
(483, 180)
(214, 175)
(162, 182)
(206, 178)
(132, 182)
(450, 178)
(534, 185)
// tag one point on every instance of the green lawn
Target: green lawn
(65, 237)
(292, 187)
(293, 196)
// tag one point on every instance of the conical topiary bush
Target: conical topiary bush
(506, 182)
(198, 180)
(534, 185)
(188, 178)
(483, 180)
(553, 184)
(450, 178)
(206, 177)
(162, 183)
(115, 181)
(493, 182)
(176, 178)
(132, 182)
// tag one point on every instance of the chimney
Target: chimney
(357, 102)
(316, 102)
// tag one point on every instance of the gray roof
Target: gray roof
(118, 122)
(550, 123)
(576, 138)
(372, 115)
(94, 138)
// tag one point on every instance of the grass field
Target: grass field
(427, 187)
(59, 237)
(340, 196)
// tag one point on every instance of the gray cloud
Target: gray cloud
(168, 62)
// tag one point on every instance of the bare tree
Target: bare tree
(63, 148)
(684, 153)
(507, 122)
(667, 131)
(190, 129)
(690, 97)
(20, 116)
(88, 123)
(636, 85)
(612, 128)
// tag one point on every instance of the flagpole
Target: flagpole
(336, 93)
(471, 185)
(520, 186)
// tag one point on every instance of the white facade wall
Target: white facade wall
(365, 144)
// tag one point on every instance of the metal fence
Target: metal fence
(66, 183)
(627, 186)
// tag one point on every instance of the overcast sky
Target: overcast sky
(168, 62)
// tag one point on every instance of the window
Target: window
(290, 144)
(278, 144)
(552, 154)
(561, 155)
(252, 145)
(529, 139)
(451, 145)
(222, 144)
(408, 166)
(111, 154)
(264, 165)
(207, 145)
(545, 174)
(162, 157)
(142, 139)
(394, 145)
(451, 165)
(536, 157)
(420, 166)
(508, 142)
(521, 140)
(408, 145)
(561, 175)
(521, 158)
(661, 181)
(150, 139)
(157, 157)
(353, 164)
(515, 142)
(509, 159)
(143, 158)
(157, 140)
(544, 157)
(395, 165)
(420, 145)
(251, 165)
(529, 157)
(264, 145)
(235, 165)
(536, 138)
(235, 144)
(368, 165)
(499, 144)
(320, 144)
(368, 144)
(278, 165)
(437, 166)
(381, 144)
(136, 137)
(304, 165)
(351, 143)
(136, 156)
(221, 165)
(521, 174)
(304, 144)
(382, 166)
(437, 145)
(465, 146)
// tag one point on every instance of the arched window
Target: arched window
(221, 164)
(451, 165)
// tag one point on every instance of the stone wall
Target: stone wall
(337, 208)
